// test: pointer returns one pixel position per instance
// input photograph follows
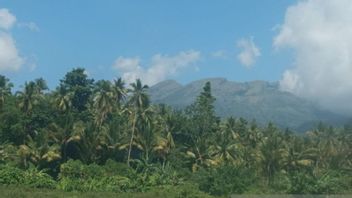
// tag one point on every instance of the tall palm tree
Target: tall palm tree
(40, 85)
(139, 99)
(28, 97)
(271, 152)
(296, 155)
(5, 89)
(325, 143)
(227, 148)
(119, 91)
(138, 102)
(146, 136)
(164, 141)
(63, 99)
(103, 103)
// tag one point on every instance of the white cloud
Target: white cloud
(249, 52)
(222, 54)
(29, 25)
(10, 60)
(9, 57)
(160, 68)
(320, 32)
(7, 20)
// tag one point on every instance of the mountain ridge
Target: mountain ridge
(259, 100)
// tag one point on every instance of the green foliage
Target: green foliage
(171, 192)
(38, 179)
(76, 176)
(152, 175)
(225, 180)
(76, 169)
(32, 177)
(328, 183)
(77, 82)
(117, 168)
(101, 184)
(103, 137)
(11, 175)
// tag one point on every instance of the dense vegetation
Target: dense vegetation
(106, 137)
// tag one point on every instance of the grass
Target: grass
(26, 192)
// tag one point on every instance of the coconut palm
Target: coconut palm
(28, 97)
(296, 155)
(271, 152)
(5, 89)
(138, 102)
(227, 148)
(103, 103)
(63, 99)
(119, 91)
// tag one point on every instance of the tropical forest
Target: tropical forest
(106, 138)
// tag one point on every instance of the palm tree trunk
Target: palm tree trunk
(131, 141)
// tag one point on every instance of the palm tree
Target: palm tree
(271, 152)
(324, 141)
(5, 90)
(227, 148)
(145, 136)
(119, 91)
(139, 99)
(296, 155)
(28, 97)
(138, 102)
(40, 85)
(164, 141)
(63, 99)
(103, 103)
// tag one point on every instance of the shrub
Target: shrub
(70, 184)
(103, 184)
(76, 176)
(11, 175)
(224, 180)
(112, 167)
(77, 170)
(118, 184)
(31, 177)
(150, 175)
(38, 179)
(327, 183)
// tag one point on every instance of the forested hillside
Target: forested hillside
(105, 136)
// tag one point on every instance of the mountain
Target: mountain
(259, 100)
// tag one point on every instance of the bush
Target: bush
(328, 183)
(70, 184)
(112, 168)
(38, 179)
(11, 175)
(77, 170)
(151, 175)
(224, 180)
(32, 177)
(118, 184)
(103, 184)
(76, 176)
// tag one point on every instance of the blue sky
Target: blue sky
(94, 34)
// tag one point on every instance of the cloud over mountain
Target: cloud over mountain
(320, 33)
(160, 68)
(249, 52)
